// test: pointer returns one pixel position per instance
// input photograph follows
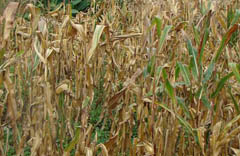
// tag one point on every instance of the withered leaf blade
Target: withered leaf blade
(95, 40)
(35, 15)
(61, 88)
(236, 151)
(230, 32)
(113, 102)
(104, 149)
(79, 28)
(9, 16)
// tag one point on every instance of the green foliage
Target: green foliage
(27, 151)
(77, 5)
(8, 135)
(96, 111)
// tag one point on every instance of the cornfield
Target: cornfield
(125, 78)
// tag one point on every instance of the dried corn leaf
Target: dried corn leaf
(9, 16)
(236, 151)
(35, 15)
(95, 40)
(103, 148)
(62, 88)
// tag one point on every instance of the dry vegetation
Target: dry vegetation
(126, 78)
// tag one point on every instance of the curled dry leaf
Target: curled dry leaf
(65, 22)
(149, 148)
(112, 141)
(36, 144)
(42, 26)
(113, 102)
(49, 52)
(80, 29)
(62, 88)
(104, 149)
(200, 134)
(96, 37)
(35, 15)
(9, 16)
(37, 50)
(55, 12)
(89, 152)
(61, 77)
(236, 151)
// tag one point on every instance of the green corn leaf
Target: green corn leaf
(182, 121)
(95, 40)
(169, 87)
(75, 11)
(184, 107)
(150, 69)
(202, 44)
(229, 125)
(199, 92)
(230, 16)
(193, 63)
(196, 34)
(205, 102)
(221, 84)
(158, 22)
(165, 77)
(223, 44)
(185, 74)
(75, 2)
(177, 71)
(236, 17)
(145, 72)
(158, 74)
(235, 70)
(208, 73)
(163, 36)
(204, 37)
(224, 41)
(194, 66)
(75, 140)
(86, 102)
(152, 62)
(185, 124)
(20, 53)
(159, 70)
(234, 100)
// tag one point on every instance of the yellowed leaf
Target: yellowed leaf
(200, 133)
(104, 149)
(65, 22)
(236, 151)
(42, 26)
(9, 16)
(36, 48)
(79, 28)
(35, 15)
(61, 88)
(96, 37)
(1, 93)
(49, 52)
(89, 152)
(147, 100)
(149, 148)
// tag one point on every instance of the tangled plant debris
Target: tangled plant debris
(124, 78)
